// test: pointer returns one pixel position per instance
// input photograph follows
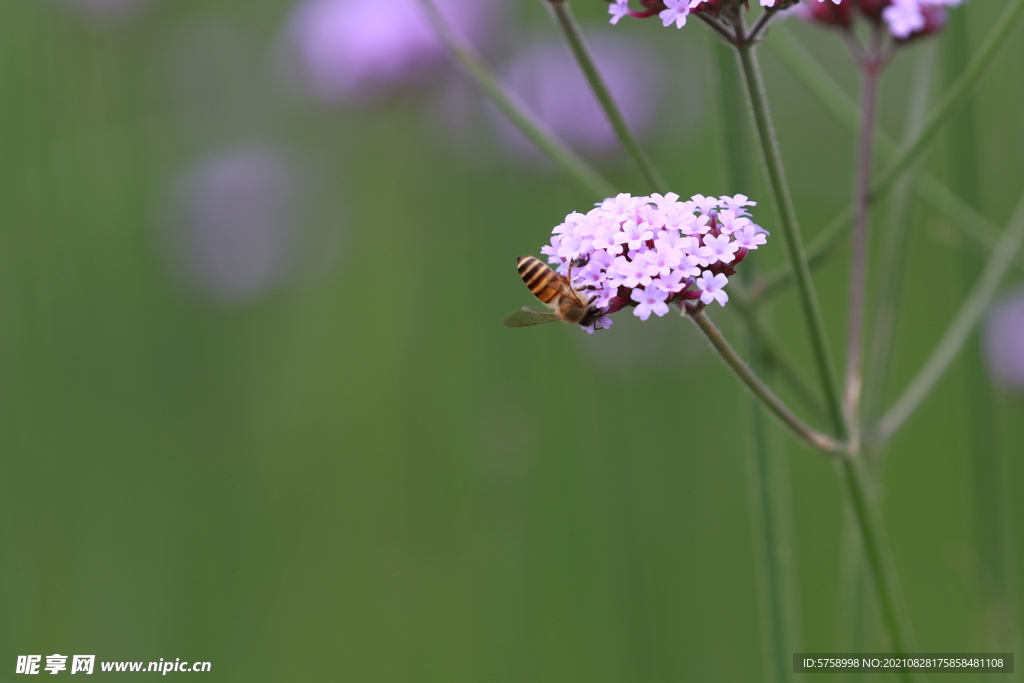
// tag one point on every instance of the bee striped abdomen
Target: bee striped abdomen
(543, 282)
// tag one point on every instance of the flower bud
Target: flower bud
(872, 9)
(933, 20)
(827, 13)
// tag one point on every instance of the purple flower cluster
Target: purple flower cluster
(904, 19)
(669, 11)
(648, 252)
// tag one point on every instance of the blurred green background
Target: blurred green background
(344, 467)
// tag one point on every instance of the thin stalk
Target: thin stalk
(770, 352)
(983, 232)
(806, 68)
(769, 499)
(767, 487)
(857, 484)
(955, 96)
(717, 27)
(959, 329)
(857, 612)
(989, 466)
(761, 25)
(871, 68)
(769, 400)
(893, 256)
(579, 48)
(517, 112)
(758, 101)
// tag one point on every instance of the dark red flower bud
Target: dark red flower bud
(827, 12)
(872, 9)
(934, 21)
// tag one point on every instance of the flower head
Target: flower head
(649, 252)
(675, 11)
(904, 19)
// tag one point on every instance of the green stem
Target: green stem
(992, 521)
(983, 233)
(959, 329)
(773, 547)
(517, 112)
(857, 612)
(758, 101)
(787, 417)
(821, 246)
(769, 349)
(574, 37)
(769, 495)
(857, 485)
(871, 67)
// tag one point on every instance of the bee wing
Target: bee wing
(528, 316)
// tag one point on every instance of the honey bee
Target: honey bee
(566, 302)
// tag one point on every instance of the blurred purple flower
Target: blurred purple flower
(1004, 341)
(549, 81)
(232, 230)
(347, 51)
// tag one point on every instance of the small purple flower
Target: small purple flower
(663, 201)
(729, 221)
(675, 11)
(749, 237)
(737, 203)
(634, 234)
(650, 300)
(618, 9)
(674, 282)
(710, 287)
(705, 204)
(719, 249)
(661, 262)
(633, 273)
